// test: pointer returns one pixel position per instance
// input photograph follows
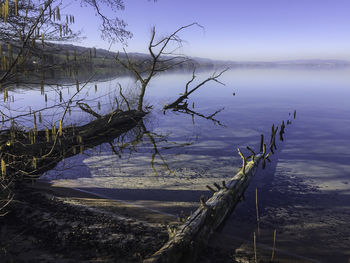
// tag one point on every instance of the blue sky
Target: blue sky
(235, 29)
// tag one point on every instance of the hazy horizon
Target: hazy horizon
(252, 30)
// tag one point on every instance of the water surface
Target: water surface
(303, 193)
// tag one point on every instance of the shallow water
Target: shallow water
(303, 193)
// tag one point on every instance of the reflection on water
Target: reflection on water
(304, 193)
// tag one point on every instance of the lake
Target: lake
(304, 193)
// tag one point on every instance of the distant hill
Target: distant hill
(109, 56)
(294, 64)
(205, 63)
(66, 63)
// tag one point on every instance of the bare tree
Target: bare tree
(29, 33)
(31, 29)
(163, 56)
(112, 29)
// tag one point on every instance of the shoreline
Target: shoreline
(89, 199)
(58, 224)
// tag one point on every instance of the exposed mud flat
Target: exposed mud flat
(134, 181)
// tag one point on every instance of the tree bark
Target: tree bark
(192, 236)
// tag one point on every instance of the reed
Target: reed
(53, 132)
(274, 246)
(257, 210)
(42, 40)
(58, 14)
(255, 255)
(3, 168)
(16, 7)
(42, 89)
(6, 95)
(60, 129)
(77, 85)
(35, 126)
(40, 118)
(47, 134)
(34, 162)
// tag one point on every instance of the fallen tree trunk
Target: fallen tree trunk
(32, 153)
(192, 236)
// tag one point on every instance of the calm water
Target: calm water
(304, 193)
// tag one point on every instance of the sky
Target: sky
(240, 30)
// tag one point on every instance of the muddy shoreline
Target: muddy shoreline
(61, 224)
(65, 225)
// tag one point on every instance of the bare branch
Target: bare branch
(85, 107)
(177, 102)
(111, 29)
(156, 64)
(121, 94)
(190, 81)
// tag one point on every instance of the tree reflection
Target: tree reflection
(185, 110)
(29, 147)
(158, 142)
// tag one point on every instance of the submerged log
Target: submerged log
(32, 153)
(192, 236)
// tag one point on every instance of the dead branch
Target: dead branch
(85, 107)
(187, 93)
(121, 94)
